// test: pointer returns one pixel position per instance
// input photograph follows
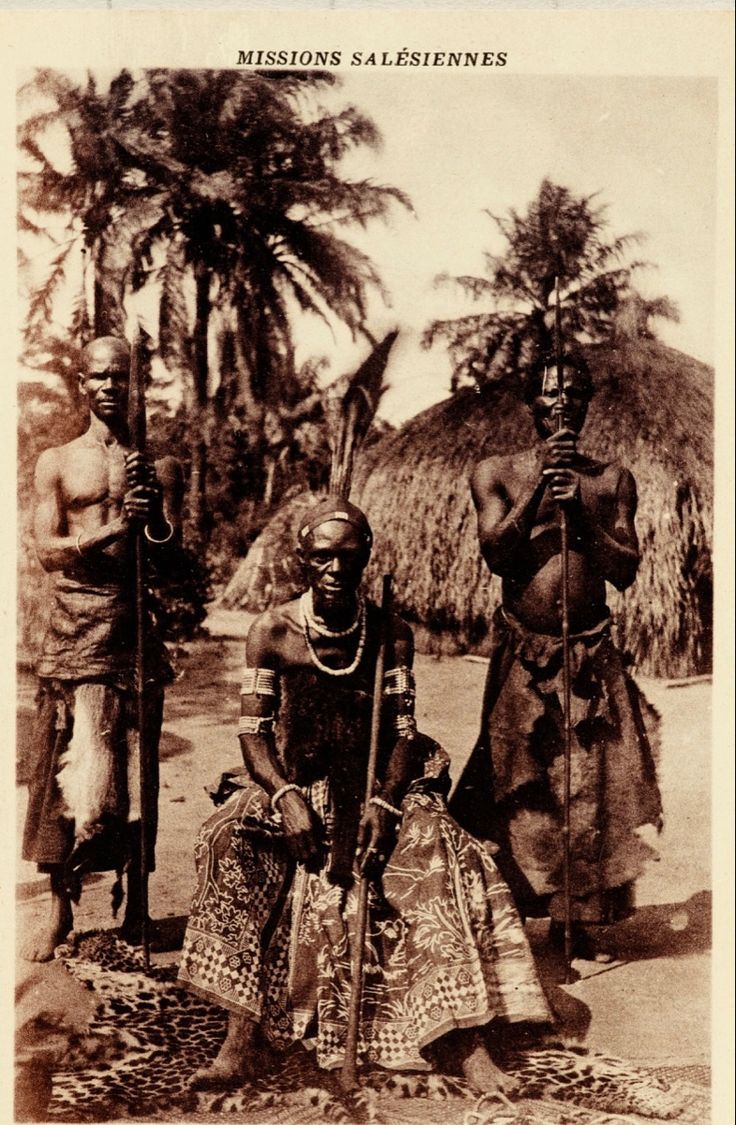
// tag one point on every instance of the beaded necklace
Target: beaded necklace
(347, 671)
(307, 608)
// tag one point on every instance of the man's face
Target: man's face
(567, 411)
(334, 557)
(104, 380)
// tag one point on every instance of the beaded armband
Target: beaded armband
(258, 681)
(399, 689)
(261, 683)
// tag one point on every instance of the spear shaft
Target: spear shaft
(349, 1073)
(137, 416)
(566, 688)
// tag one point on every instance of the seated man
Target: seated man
(269, 936)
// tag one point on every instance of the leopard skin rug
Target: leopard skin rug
(148, 1036)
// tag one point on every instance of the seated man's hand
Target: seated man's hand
(376, 839)
(302, 829)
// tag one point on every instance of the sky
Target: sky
(461, 146)
(464, 144)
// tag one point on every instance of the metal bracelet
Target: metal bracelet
(167, 537)
(379, 801)
(78, 545)
(290, 788)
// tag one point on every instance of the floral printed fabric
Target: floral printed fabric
(445, 947)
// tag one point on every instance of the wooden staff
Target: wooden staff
(137, 433)
(566, 689)
(349, 1073)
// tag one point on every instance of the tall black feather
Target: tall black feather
(350, 407)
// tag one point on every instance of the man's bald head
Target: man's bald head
(105, 347)
(104, 377)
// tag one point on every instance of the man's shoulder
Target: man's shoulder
(612, 472)
(54, 459)
(502, 465)
(55, 452)
(276, 621)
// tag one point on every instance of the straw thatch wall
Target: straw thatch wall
(652, 412)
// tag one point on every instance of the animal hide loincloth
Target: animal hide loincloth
(512, 791)
(83, 761)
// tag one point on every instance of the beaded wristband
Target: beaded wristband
(290, 788)
(379, 801)
(166, 538)
(405, 726)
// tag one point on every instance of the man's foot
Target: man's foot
(479, 1069)
(233, 1064)
(40, 945)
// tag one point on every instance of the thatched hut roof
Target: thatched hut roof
(652, 412)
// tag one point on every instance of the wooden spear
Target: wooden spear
(566, 688)
(137, 433)
(349, 1073)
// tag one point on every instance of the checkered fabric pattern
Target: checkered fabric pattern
(445, 946)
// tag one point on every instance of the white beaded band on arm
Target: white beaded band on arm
(255, 724)
(379, 801)
(290, 788)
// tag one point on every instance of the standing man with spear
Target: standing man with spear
(100, 504)
(563, 774)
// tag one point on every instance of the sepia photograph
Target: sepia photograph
(366, 381)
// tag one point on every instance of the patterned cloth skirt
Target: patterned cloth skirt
(445, 947)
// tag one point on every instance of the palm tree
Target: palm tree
(252, 200)
(90, 185)
(223, 188)
(560, 236)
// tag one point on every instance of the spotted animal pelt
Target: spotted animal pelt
(163, 1033)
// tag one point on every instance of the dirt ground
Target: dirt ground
(651, 1006)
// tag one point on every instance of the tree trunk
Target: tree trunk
(198, 416)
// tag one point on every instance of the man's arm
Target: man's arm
(504, 527)
(258, 706)
(55, 547)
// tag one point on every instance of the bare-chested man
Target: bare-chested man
(272, 921)
(518, 761)
(83, 811)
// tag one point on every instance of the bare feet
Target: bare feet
(467, 1050)
(40, 945)
(233, 1064)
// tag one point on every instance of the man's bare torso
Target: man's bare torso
(531, 589)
